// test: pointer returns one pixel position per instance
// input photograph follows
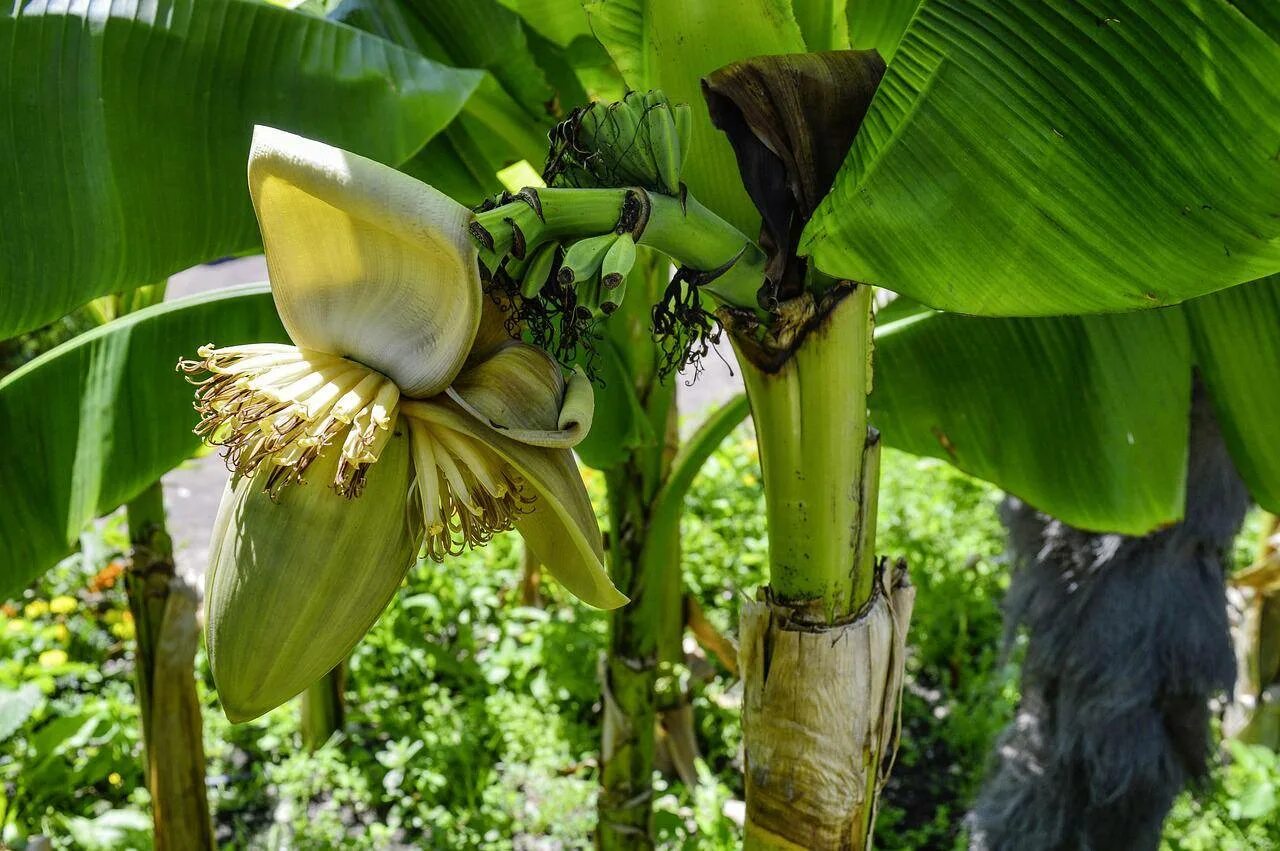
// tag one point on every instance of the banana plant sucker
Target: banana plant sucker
(405, 419)
(820, 733)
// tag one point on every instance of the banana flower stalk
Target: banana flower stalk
(404, 419)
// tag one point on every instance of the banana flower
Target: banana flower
(404, 419)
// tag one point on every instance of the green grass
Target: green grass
(473, 721)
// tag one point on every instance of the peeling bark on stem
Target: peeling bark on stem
(821, 717)
(164, 613)
(1254, 713)
(822, 648)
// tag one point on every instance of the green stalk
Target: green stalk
(164, 615)
(823, 646)
(811, 422)
(690, 234)
(322, 710)
(530, 580)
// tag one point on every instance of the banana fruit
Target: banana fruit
(641, 140)
(584, 258)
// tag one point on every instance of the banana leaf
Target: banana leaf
(96, 420)
(1065, 157)
(1086, 418)
(1236, 334)
(129, 126)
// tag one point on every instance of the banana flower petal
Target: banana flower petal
(293, 584)
(557, 523)
(366, 262)
(520, 391)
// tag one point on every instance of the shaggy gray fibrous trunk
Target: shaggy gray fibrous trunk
(1128, 642)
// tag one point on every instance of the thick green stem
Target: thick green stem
(810, 413)
(691, 235)
(322, 710)
(640, 632)
(164, 614)
(822, 649)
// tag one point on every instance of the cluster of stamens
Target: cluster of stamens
(276, 407)
(467, 493)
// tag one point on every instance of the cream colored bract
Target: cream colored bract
(376, 282)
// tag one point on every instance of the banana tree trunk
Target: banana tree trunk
(648, 572)
(1254, 713)
(823, 646)
(322, 710)
(164, 613)
(645, 573)
(1128, 643)
(630, 676)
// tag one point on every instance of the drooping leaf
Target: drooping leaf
(99, 418)
(790, 120)
(558, 21)
(500, 123)
(1083, 417)
(824, 23)
(671, 45)
(1236, 335)
(448, 163)
(129, 125)
(1065, 157)
(879, 24)
(485, 34)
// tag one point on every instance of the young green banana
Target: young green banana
(584, 257)
(618, 261)
(588, 294)
(538, 271)
(664, 140)
(611, 299)
(683, 117)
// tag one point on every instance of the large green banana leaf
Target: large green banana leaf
(128, 127)
(505, 120)
(93, 422)
(1086, 418)
(671, 45)
(1061, 156)
(1236, 335)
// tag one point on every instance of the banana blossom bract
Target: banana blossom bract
(405, 419)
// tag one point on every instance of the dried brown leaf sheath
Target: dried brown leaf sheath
(791, 120)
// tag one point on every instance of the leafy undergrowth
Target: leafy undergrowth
(472, 720)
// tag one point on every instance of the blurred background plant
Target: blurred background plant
(473, 719)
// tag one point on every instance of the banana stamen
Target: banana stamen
(467, 493)
(280, 406)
